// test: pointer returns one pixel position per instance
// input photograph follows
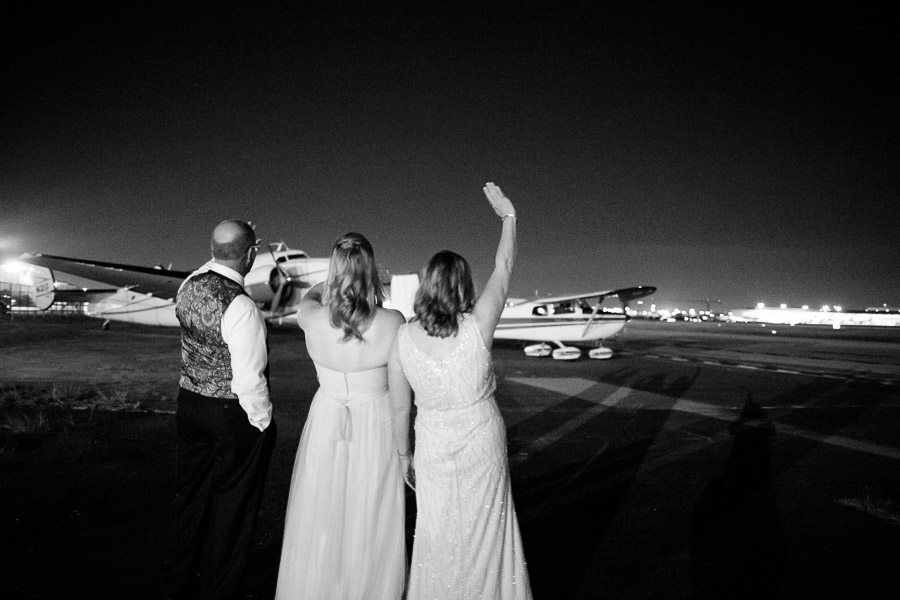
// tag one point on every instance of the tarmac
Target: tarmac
(701, 461)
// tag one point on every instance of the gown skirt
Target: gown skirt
(467, 542)
(344, 535)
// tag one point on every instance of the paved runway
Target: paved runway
(702, 461)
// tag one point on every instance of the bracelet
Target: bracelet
(503, 218)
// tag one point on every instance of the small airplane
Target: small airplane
(572, 319)
(280, 277)
(114, 292)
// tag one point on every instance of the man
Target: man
(224, 427)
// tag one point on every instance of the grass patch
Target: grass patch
(29, 411)
(873, 502)
(65, 397)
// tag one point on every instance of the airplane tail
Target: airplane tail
(403, 293)
(42, 291)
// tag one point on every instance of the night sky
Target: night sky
(746, 154)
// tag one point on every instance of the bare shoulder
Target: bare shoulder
(390, 318)
(308, 312)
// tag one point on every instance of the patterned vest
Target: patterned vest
(205, 359)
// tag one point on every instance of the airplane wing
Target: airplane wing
(624, 294)
(162, 283)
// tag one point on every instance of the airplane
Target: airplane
(572, 319)
(277, 281)
(280, 277)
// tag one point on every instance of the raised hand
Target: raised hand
(500, 203)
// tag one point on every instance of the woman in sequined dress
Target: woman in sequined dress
(467, 542)
(344, 535)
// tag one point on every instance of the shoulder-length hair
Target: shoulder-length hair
(353, 289)
(445, 294)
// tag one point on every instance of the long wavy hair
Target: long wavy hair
(353, 289)
(445, 294)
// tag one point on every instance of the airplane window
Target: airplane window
(291, 256)
(564, 308)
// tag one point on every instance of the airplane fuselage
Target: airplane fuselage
(574, 328)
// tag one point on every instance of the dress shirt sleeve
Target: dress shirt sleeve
(244, 330)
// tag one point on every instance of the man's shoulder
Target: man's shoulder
(244, 303)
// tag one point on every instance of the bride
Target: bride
(344, 532)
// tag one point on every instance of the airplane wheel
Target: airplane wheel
(600, 353)
(538, 350)
(567, 353)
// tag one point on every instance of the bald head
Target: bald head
(231, 239)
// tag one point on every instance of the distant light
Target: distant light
(774, 332)
(760, 305)
(14, 266)
(835, 325)
(826, 308)
(19, 272)
(783, 305)
(837, 308)
(806, 307)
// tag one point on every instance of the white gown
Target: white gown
(467, 542)
(344, 535)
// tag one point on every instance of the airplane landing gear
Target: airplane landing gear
(600, 353)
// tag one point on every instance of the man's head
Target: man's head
(234, 245)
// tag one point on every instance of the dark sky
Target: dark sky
(743, 154)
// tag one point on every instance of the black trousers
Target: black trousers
(221, 465)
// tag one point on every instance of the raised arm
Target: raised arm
(492, 300)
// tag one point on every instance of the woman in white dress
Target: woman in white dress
(344, 534)
(467, 542)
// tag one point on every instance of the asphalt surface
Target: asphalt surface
(701, 461)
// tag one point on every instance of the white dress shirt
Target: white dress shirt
(244, 330)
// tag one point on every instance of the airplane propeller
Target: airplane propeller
(281, 282)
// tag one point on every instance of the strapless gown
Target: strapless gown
(467, 541)
(344, 532)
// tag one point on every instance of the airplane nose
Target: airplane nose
(275, 279)
(282, 285)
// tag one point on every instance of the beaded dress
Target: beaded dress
(344, 534)
(467, 542)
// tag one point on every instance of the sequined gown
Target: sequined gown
(467, 542)
(344, 535)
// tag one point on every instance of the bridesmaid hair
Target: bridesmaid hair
(446, 293)
(353, 289)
